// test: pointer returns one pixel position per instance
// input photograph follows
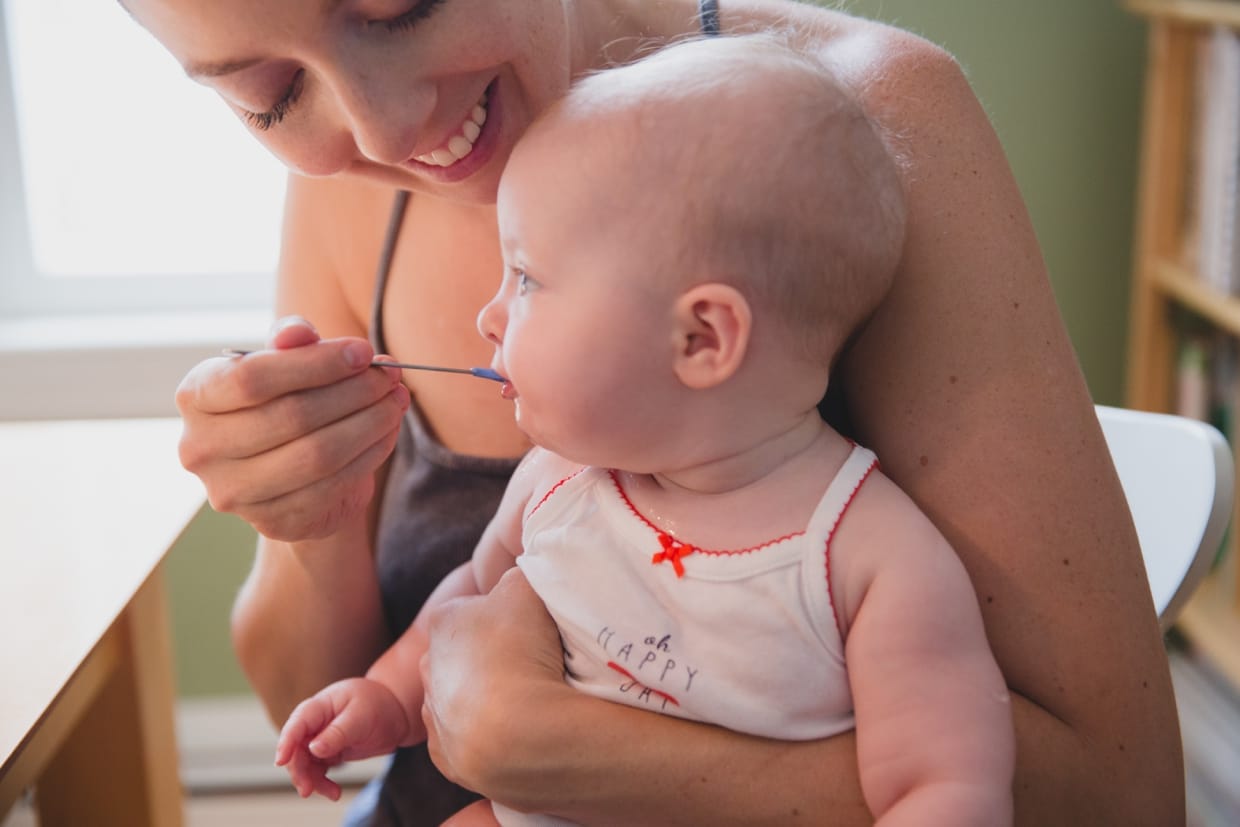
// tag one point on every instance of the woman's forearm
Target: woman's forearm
(601, 763)
(308, 614)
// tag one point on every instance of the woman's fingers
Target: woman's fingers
(291, 331)
(249, 432)
(315, 509)
(232, 383)
(289, 439)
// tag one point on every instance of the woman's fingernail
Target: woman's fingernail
(288, 321)
(357, 354)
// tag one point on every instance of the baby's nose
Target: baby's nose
(491, 321)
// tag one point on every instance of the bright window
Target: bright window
(138, 221)
(127, 187)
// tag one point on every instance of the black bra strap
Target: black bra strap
(708, 16)
(395, 218)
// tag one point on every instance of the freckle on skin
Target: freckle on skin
(953, 379)
(925, 461)
(1065, 561)
(990, 598)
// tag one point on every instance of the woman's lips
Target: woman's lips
(461, 144)
(480, 150)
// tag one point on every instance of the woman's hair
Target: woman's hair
(767, 171)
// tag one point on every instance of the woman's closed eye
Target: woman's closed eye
(263, 121)
(421, 10)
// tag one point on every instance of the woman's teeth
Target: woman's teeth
(462, 143)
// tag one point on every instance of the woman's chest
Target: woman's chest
(445, 266)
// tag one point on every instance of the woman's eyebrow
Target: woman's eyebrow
(217, 69)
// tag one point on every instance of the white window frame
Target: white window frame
(98, 346)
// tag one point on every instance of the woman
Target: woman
(964, 382)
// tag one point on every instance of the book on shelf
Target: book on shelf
(1212, 238)
(1207, 387)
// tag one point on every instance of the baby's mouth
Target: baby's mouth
(507, 391)
(462, 143)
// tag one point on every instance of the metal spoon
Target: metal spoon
(481, 373)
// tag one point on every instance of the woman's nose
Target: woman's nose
(385, 116)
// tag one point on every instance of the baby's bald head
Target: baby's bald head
(741, 160)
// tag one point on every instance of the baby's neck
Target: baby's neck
(748, 465)
(767, 489)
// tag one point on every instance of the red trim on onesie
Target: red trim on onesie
(839, 627)
(672, 549)
(553, 489)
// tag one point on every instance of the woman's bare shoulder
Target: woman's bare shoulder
(865, 51)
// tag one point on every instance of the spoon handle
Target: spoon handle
(481, 373)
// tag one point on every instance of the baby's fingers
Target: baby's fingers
(307, 719)
(304, 772)
(309, 775)
(347, 729)
(327, 788)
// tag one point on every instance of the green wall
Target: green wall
(1061, 80)
(204, 569)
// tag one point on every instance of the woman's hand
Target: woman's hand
(289, 438)
(487, 657)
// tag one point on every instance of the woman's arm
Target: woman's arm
(967, 386)
(318, 581)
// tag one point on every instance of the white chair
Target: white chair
(1178, 475)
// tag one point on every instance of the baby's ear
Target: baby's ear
(713, 325)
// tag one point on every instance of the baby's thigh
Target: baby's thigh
(478, 814)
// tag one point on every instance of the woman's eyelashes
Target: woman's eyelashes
(411, 18)
(263, 121)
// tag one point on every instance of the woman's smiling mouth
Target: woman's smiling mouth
(461, 144)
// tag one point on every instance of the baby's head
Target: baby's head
(745, 161)
(731, 162)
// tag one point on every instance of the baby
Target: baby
(708, 546)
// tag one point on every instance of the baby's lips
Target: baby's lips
(507, 391)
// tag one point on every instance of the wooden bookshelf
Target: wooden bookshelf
(1166, 284)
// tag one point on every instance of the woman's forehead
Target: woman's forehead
(224, 31)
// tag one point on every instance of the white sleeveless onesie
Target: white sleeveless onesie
(746, 639)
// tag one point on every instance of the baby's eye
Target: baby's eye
(524, 282)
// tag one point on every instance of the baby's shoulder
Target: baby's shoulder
(541, 472)
(883, 528)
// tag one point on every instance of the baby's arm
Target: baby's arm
(935, 741)
(362, 717)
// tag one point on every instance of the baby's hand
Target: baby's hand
(351, 719)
